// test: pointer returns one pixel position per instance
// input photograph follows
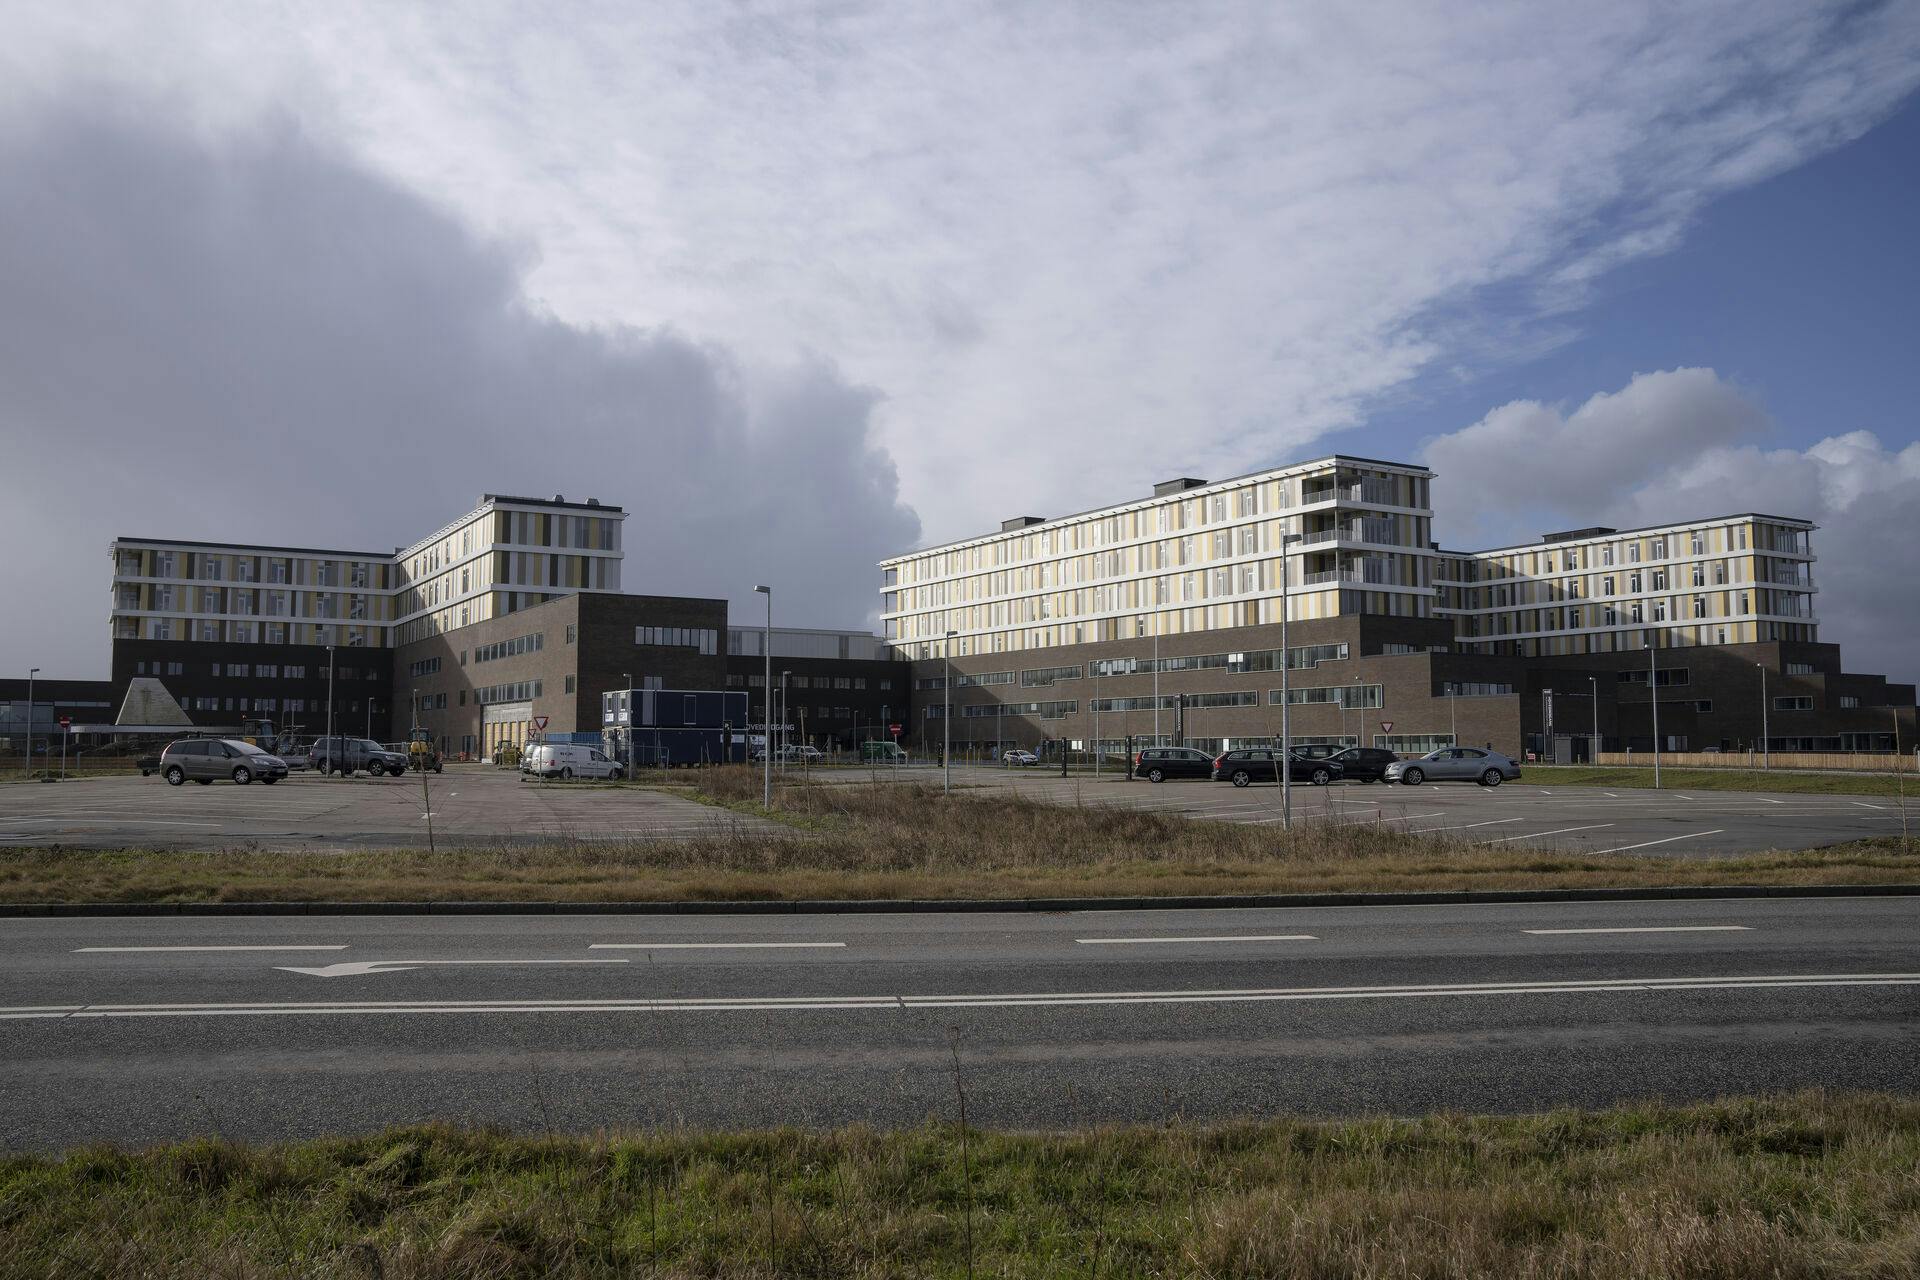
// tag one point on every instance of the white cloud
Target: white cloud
(1077, 246)
(1682, 445)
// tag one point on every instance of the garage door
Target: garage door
(504, 724)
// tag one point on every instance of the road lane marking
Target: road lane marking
(1225, 937)
(1655, 928)
(1614, 794)
(1622, 848)
(361, 968)
(338, 946)
(701, 946)
(1541, 835)
(1463, 826)
(1022, 1000)
(1864, 805)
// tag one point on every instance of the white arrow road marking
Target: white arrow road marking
(328, 947)
(1656, 928)
(1248, 937)
(357, 968)
(1622, 848)
(750, 1004)
(702, 946)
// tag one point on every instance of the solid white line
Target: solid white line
(1463, 826)
(1656, 928)
(1246, 937)
(341, 946)
(700, 946)
(1622, 848)
(1864, 805)
(1022, 1000)
(1541, 835)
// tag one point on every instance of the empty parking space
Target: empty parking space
(470, 805)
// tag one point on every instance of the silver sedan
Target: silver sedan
(1455, 764)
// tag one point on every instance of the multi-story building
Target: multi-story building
(1159, 617)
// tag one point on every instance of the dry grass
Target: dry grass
(1808, 1187)
(1779, 781)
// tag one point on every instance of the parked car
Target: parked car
(1248, 765)
(204, 759)
(348, 755)
(1316, 751)
(1364, 764)
(1023, 759)
(1157, 764)
(569, 760)
(1455, 764)
(298, 758)
(800, 755)
(423, 756)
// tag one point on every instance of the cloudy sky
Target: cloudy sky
(806, 285)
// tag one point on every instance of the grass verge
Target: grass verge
(1778, 781)
(907, 841)
(1809, 1186)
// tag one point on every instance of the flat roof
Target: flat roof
(254, 546)
(1611, 534)
(1153, 499)
(485, 498)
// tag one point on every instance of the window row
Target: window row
(532, 642)
(704, 639)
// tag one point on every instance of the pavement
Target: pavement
(480, 805)
(147, 1029)
(1668, 823)
(471, 804)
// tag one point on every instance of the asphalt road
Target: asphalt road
(477, 804)
(471, 804)
(1669, 823)
(141, 1029)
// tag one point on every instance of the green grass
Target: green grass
(1776, 780)
(1810, 1187)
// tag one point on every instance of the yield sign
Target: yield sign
(539, 722)
(1386, 726)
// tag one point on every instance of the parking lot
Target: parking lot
(472, 804)
(1618, 820)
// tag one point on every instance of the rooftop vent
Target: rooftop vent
(1181, 485)
(593, 502)
(559, 497)
(1020, 522)
(1571, 535)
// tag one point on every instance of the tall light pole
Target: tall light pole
(1594, 752)
(333, 748)
(1453, 718)
(626, 696)
(1766, 748)
(1286, 694)
(31, 673)
(766, 709)
(946, 719)
(785, 710)
(1156, 679)
(1653, 693)
(1096, 717)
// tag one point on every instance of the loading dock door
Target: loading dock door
(504, 724)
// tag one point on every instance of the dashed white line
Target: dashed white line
(1864, 805)
(1622, 848)
(703, 946)
(333, 946)
(1225, 937)
(1655, 928)
(1541, 835)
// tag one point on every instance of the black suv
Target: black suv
(1157, 764)
(1249, 765)
(1364, 764)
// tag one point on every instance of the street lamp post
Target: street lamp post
(946, 719)
(1653, 695)
(1453, 718)
(1096, 716)
(333, 748)
(626, 724)
(1286, 697)
(1766, 747)
(1594, 751)
(786, 709)
(766, 708)
(1156, 679)
(31, 673)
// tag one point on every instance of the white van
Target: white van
(569, 760)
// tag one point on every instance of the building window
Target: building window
(1800, 668)
(570, 680)
(1848, 701)
(572, 632)
(704, 639)
(1796, 703)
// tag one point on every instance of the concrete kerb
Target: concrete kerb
(921, 905)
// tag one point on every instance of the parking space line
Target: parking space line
(1463, 826)
(1541, 835)
(1669, 840)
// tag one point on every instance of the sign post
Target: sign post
(66, 734)
(1386, 727)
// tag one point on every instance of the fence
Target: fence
(1857, 761)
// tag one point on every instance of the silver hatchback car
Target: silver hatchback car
(1455, 764)
(204, 759)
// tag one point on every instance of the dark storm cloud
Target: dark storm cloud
(251, 337)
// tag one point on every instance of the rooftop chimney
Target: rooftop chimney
(1020, 522)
